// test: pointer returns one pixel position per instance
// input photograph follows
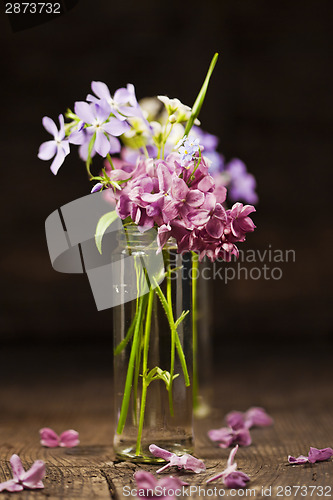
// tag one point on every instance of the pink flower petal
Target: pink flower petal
(193, 464)
(185, 461)
(179, 189)
(160, 452)
(17, 467)
(235, 419)
(316, 455)
(145, 480)
(206, 183)
(69, 439)
(236, 480)
(195, 198)
(214, 227)
(199, 217)
(232, 478)
(226, 436)
(299, 460)
(11, 486)
(257, 417)
(33, 477)
(164, 178)
(49, 438)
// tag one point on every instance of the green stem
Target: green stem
(130, 370)
(195, 168)
(201, 96)
(173, 340)
(110, 161)
(171, 323)
(90, 147)
(137, 370)
(128, 337)
(145, 369)
(165, 138)
(145, 150)
(195, 263)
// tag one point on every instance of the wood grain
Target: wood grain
(302, 408)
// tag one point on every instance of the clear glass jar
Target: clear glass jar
(152, 345)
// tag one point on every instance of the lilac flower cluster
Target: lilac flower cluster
(166, 185)
(181, 201)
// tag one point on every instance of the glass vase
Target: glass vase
(153, 350)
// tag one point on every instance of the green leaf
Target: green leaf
(181, 317)
(201, 96)
(104, 222)
(159, 374)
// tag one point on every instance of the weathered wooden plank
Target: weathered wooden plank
(65, 482)
(89, 472)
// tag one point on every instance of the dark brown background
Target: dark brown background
(270, 101)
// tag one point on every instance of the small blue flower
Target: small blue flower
(187, 148)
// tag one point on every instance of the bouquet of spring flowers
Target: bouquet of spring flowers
(159, 172)
(163, 177)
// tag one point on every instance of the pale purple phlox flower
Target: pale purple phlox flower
(97, 118)
(123, 104)
(59, 147)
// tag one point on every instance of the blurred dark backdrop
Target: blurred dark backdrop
(270, 102)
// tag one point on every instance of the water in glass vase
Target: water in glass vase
(152, 349)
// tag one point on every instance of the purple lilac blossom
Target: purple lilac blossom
(314, 455)
(226, 436)
(231, 477)
(185, 461)
(253, 417)
(182, 207)
(30, 479)
(50, 439)
(59, 147)
(146, 485)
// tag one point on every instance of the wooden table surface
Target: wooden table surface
(71, 387)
